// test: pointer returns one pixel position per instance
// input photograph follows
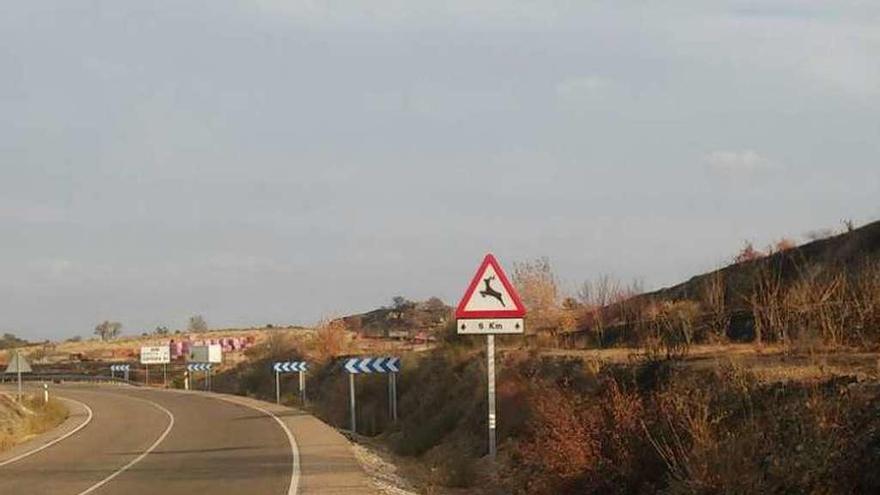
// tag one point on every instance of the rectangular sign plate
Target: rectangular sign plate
(155, 355)
(212, 353)
(487, 326)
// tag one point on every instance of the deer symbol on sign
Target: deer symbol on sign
(489, 291)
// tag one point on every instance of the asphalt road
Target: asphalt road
(140, 441)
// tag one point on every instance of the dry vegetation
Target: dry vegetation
(19, 422)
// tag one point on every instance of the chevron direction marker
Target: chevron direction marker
(123, 368)
(389, 365)
(290, 366)
(372, 365)
(199, 366)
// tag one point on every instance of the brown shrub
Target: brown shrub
(331, 340)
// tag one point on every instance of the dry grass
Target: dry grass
(20, 422)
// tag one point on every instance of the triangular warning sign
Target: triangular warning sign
(18, 364)
(490, 294)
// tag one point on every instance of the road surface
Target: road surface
(123, 440)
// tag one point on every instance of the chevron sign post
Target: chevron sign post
(290, 367)
(206, 367)
(123, 368)
(358, 365)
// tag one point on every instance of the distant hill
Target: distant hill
(404, 319)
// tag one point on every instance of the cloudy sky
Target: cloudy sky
(275, 161)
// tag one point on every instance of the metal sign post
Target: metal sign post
(147, 375)
(18, 371)
(18, 365)
(290, 367)
(392, 395)
(490, 377)
(351, 400)
(490, 306)
(390, 365)
(164, 375)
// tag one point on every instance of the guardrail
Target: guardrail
(65, 377)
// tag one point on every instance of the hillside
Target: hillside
(826, 291)
(403, 320)
(849, 251)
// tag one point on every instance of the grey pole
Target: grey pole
(490, 356)
(390, 398)
(351, 395)
(164, 375)
(277, 388)
(392, 382)
(302, 387)
(147, 376)
(18, 367)
(45, 393)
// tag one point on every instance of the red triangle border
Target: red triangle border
(518, 311)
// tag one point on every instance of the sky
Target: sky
(281, 161)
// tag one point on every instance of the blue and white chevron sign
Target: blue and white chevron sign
(373, 365)
(119, 367)
(289, 366)
(198, 366)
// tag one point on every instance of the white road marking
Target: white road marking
(140, 457)
(293, 488)
(53, 442)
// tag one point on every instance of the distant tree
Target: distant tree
(538, 288)
(747, 253)
(331, 340)
(9, 340)
(784, 244)
(108, 330)
(197, 324)
(401, 303)
(161, 330)
(435, 304)
(570, 304)
(75, 338)
(713, 298)
(849, 225)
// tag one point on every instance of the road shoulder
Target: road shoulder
(327, 460)
(78, 417)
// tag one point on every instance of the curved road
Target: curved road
(142, 441)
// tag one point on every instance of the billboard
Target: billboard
(212, 353)
(159, 354)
